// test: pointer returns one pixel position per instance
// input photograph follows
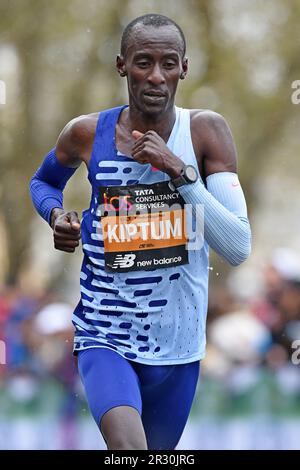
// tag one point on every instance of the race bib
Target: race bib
(143, 227)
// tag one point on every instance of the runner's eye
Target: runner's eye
(143, 64)
(169, 64)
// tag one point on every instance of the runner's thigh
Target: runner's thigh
(167, 402)
(109, 381)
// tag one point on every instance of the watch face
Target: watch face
(191, 173)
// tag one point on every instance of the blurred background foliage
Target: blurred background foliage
(57, 60)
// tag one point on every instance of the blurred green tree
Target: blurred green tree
(243, 59)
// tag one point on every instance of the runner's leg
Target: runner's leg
(113, 395)
(167, 395)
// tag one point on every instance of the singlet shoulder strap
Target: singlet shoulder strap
(107, 122)
(106, 125)
(104, 140)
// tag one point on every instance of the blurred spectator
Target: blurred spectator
(49, 336)
(283, 266)
(247, 368)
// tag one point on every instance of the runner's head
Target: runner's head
(153, 60)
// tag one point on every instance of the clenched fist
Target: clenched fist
(66, 230)
(151, 148)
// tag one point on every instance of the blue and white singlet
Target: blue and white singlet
(155, 317)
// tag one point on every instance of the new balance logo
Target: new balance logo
(124, 261)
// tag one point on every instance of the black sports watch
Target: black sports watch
(188, 175)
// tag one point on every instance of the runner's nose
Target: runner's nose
(156, 76)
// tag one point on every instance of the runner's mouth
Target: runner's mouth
(154, 96)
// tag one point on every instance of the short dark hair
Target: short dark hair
(151, 19)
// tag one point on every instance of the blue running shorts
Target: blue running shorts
(162, 395)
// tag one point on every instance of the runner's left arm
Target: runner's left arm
(226, 225)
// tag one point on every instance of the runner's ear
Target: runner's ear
(120, 65)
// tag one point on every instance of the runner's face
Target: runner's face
(153, 65)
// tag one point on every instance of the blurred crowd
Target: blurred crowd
(252, 361)
(263, 329)
(253, 346)
(38, 374)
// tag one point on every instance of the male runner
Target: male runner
(140, 334)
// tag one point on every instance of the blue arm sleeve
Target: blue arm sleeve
(47, 185)
(226, 226)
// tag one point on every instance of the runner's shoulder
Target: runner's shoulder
(76, 139)
(80, 130)
(213, 138)
(208, 127)
(206, 118)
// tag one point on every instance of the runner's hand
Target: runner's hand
(151, 148)
(66, 230)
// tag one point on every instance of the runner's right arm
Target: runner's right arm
(48, 183)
